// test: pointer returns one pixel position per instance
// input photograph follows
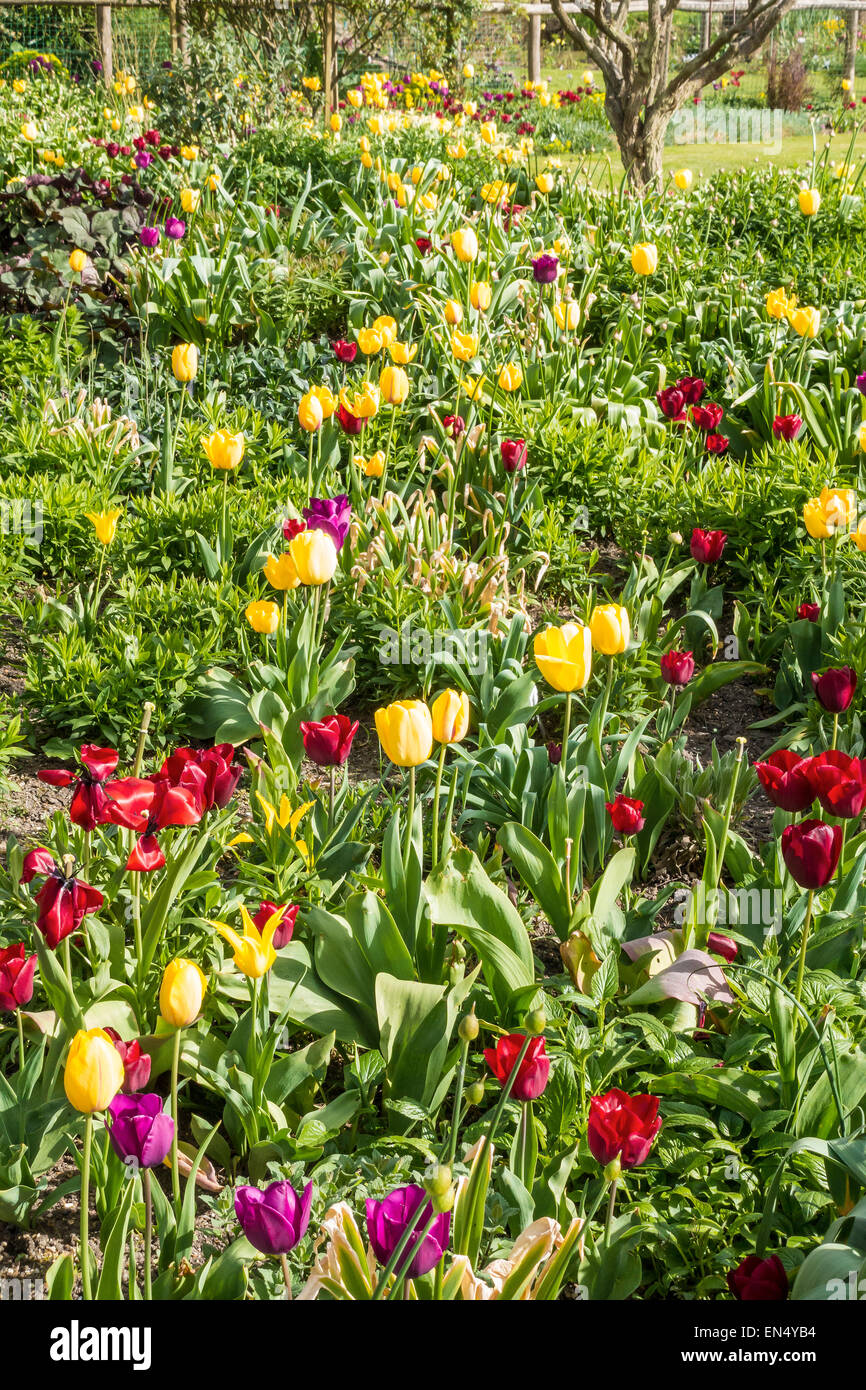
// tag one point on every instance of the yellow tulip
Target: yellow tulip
(281, 571)
(310, 412)
(314, 556)
(93, 1074)
(453, 311)
(510, 377)
(327, 400)
(683, 179)
(190, 199)
(225, 450)
(401, 353)
(465, 244)
(104, 524)
(779, 306)
(374, 466)
(263, 616)
(405, 731)
(254, 952)
(355, 98)
(370, 341)
(77, 261)
(806, 322)
(610, 629)
(29, 131)
(405, 195)
(815, 520)
(181, 993)
(450, 716)
(393, 385)
(859, 536)
(474, 386)
(336, 123)
(394, 181)
(364, 403)
(487, 131)
(861, 437)
(644, 258)
(838, 506)
(464, 345)
(189, 152)
(184, 361)
(480, 295)
(366, 159)
(563, 655)
(468, 70)
(312, 84)
(567, 315)
(544, 183)
(809, 200)
(387, 327)
(214, 181)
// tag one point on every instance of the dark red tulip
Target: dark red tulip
(810, 611)
(63, 901)
(211, 773)
(87, 808)
(720, 945)
(16, 977)
(136, 1064)
(513, 453)
(692, 387)
(811, 852)
(677, 668)
(835, 689)
(453, 425)
(840, 783)
(534, 1070)
(759, 1281)
(787, 427)
(717, 443)
(785, 778)
(672, 404)
(424, 244)
(349, 423)
(707, 546)
(625, 813)
(283, 933)
(328, 742)
(149, 805)
(345, 352)
(554, 753)
(622, 1126)
(707, 417)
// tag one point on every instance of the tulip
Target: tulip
(77, 261)
(184, 361)
(464, 243)
(388, 1220)
(181, 993)
(707, 417)
(610, 629)
(779, 306)
(88, 802)
(720, 945)
(644, 258)
(453, 425)
(364, 403)
(580, 960)
(784, 775)
(840, 783)
(374, 466)
(405, 730)
(402, 353)
(370, 341)
(787, 427)
(811, 612)
(281, 572)
(534, 1069)
(835, 688)
(140, 1131)
(328, 742)
(806, 322)
(349, 423)
(387, 327)
(453, 312)
(175, 228)
(93, 1074)
(345, 352)
(810, 201)
(105, 524)
(190, 199)
(468, 70)
(393, 385)
(545, 269)
(326, 398)
(683, 179)
(210, 773)
(315, 556)
(263, 616)
(149, 238)
(464, 346)
(16, 978)
(29, 131)
(253, 952)
(450, 716)
(834, 510)
(672, 403)
(286, 916)
(759, 1281)
(707, 546)
(567, 315)
(310, 413)
(276, 1218)
(859, 536)
(513, 452)
(148, 805)
(136, 1064)
(692, 387)
(225, 450)
(563, 655)
(63, 900)
(625, 814)
(622, 1127)
(677, 668)
(544, 183)
(510, 377)
(333, 515)
(811, 852)
(717, 443)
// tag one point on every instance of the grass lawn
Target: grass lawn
(705, 160)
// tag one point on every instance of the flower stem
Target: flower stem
(566, 730)
(175, 1169)
(20, 1038)
(410, 816)
(84, 1252)
(435, 840)
(148, 1233)
(801, 964)
(608, 1221)
(287, 1276)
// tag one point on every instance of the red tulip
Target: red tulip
(759, 1281)
(453, 425)
(623, 1127)
(672, 404)
(513, 453)
(345, 352)
(210, 773)
(707, 546)
(835, 689)
(785, 778)
(692, 387)
(720, 945)
(349, 423)
(16, 977)
(809, 611)
(424, 244)
(787, 427)
(136, 1064)
(625, 813)
(534, 1070)
(717, 443)
(292, 527)
(148, 805)
(87, 808)
(811, 852)
(63, 902)
(283, 933)
(840, 783)
(677, 668)
(328, 742)
(707, 417)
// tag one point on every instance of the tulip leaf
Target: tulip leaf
(540, 874)
(108, 1287)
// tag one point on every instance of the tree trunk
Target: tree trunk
(104, 40)
(641, 142)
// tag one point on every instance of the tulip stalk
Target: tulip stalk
(84, 1228)
(411, 1227)
(287, 1276)
(20, 1039)
(175, 1168)
(801, 964)
(566, 730)
(611, 1202)
(410, 816)
(388, 443)
(148, 1233)
(436, 794)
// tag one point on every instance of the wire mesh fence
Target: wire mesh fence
(141, 35)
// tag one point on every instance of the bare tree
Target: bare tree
(641, 95)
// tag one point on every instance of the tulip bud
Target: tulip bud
(613, 1171)
(77, 261)
(536, 1022)
(184, 361)
(181, 993)
(468, 1028)
(475, 1093)
(94, 1072)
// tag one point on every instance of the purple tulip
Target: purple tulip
(276, 1218)
(140, 1129)
(149, 237)
(545, 269)
(387, 1220)
(860, 383)
(142, 159)
(333, 515)
(175, 228)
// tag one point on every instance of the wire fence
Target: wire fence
(141, 36)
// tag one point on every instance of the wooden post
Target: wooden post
(172, 27)
(534, 48)
(104, 42)
(328, 54)
(183, 32)
(706, 29)
(852, 27)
